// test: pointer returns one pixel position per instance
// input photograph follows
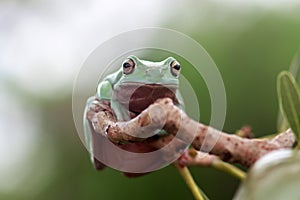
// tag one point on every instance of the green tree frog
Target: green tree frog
(126, 93)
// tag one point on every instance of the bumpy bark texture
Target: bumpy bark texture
(164, 114)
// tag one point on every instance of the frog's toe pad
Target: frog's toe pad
(98, 165)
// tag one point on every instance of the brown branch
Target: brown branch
(198, 158)
(192, 157)
(163, 113)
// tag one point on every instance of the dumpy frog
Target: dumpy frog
(127, 92)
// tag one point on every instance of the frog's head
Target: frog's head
(165, 72)
(143, 82)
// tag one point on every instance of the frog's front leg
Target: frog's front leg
(99, 146)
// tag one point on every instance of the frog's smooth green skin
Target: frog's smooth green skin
(275, 176)
(131, 89)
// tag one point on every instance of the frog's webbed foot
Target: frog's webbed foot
(96, 106)
(98, 165)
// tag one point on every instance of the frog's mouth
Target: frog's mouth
(137, 96)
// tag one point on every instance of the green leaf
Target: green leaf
(282, 124)
(289, 100)
(295, 67)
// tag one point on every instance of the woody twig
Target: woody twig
(164, 114)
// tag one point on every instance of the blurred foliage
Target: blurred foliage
(249, 48)
(289, 100)
(294, 69)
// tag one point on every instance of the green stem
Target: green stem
(186, 175)
(228, 168)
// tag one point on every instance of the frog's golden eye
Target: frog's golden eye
(128, 66)
(175, 68)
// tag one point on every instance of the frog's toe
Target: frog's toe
(98, 165)
(134, 175)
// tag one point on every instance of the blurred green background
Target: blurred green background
(44, 43)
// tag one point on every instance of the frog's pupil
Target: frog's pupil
(177, 67)
(126, 65)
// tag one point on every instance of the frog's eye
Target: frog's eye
(175, 68)
(128, 66)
